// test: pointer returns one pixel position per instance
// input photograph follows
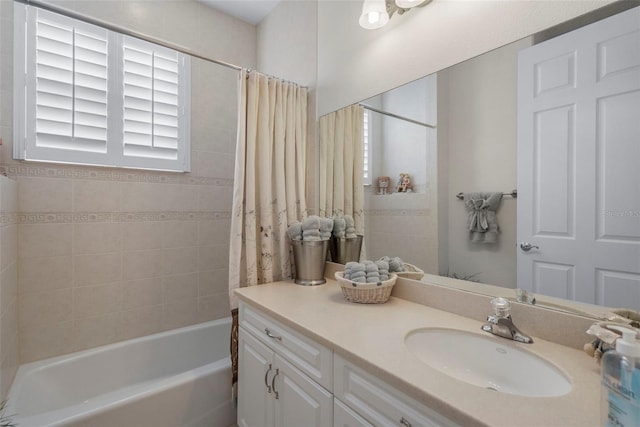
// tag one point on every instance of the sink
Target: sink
(487, 361)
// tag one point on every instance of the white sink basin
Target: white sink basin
(487, 361)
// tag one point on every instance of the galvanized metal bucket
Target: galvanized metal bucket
(344, 250)
(310, 258)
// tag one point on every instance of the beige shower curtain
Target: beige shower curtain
(269, 184)
(342, 163)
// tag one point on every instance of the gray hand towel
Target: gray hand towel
(481, 221)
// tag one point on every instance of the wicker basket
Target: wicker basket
(366, 293)
(410, 272)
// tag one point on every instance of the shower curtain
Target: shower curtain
(269, 185)
(341, 164)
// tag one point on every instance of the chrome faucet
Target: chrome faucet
(501, 324)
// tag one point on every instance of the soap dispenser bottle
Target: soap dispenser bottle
(621, 381)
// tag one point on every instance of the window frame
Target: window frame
(25, 146)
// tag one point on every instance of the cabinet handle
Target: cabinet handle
(273, 382)
(270, 334)
(266, 376)
(404, 422)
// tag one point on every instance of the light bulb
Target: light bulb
(374, 14)
(374, 17)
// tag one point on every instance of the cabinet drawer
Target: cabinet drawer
(379, 403)
(312, 358)
(343, 416)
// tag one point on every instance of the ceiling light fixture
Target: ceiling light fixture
(376, 13)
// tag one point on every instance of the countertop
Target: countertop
(372, 336)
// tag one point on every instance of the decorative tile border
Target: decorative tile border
(398, 212)
(108, 174)
(8, 218)
(85, 217)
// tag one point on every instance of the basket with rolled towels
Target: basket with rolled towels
(366, 282)
(403, 269)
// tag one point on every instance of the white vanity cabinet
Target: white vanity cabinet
(286, 379)
(280, 375)
(343, 416)
(379, 403)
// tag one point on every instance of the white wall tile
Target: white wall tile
(97, 196)
(95, 238)
(44, 194)
(38, 240)
(143, 264)
(95, 269)
(44, 274)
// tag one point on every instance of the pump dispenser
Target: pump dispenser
(621, 381)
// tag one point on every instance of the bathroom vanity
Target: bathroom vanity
(309, 357)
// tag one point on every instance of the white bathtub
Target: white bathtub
(180, 377)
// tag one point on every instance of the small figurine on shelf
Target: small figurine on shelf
(383, 184)
(404, 184)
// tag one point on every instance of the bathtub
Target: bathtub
(180, 377)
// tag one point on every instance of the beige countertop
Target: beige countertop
(372, 336)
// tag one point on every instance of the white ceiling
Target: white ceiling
(251, 11)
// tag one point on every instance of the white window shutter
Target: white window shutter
(87, 95)
(66, 86)
(155, 124)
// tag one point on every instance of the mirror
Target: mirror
(473, 106)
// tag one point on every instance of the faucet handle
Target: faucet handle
(501, 307)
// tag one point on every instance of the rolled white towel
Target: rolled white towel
(311, 235)
(295, 231)
(326, 224)
(383, 265)
(396, 265)
(338, 225)
(357, 274)
(311, 223)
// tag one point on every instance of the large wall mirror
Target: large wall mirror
(456, 133)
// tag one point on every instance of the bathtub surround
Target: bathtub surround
(108, 254)
(8, 283)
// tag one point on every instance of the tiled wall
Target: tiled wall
(108, 254)
(402, 225)
(8, 283)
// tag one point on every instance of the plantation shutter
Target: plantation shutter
(153, 101)
(87, 95)
(67, 88)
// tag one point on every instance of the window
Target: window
(366, 133)
(88, 95)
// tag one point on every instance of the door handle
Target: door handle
(266, 381)
(526, 246)
(273, 383)
(270, 334)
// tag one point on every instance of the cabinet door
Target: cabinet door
(300, 401)
(256, 370)
(343, 416)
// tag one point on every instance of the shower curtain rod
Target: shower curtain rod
(125, 31)
(395, 116)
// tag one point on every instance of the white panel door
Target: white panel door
(301, 402)
(579, 164)
(255, 362)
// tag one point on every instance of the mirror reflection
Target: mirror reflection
(573, 230)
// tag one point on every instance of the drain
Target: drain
(491, 388)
